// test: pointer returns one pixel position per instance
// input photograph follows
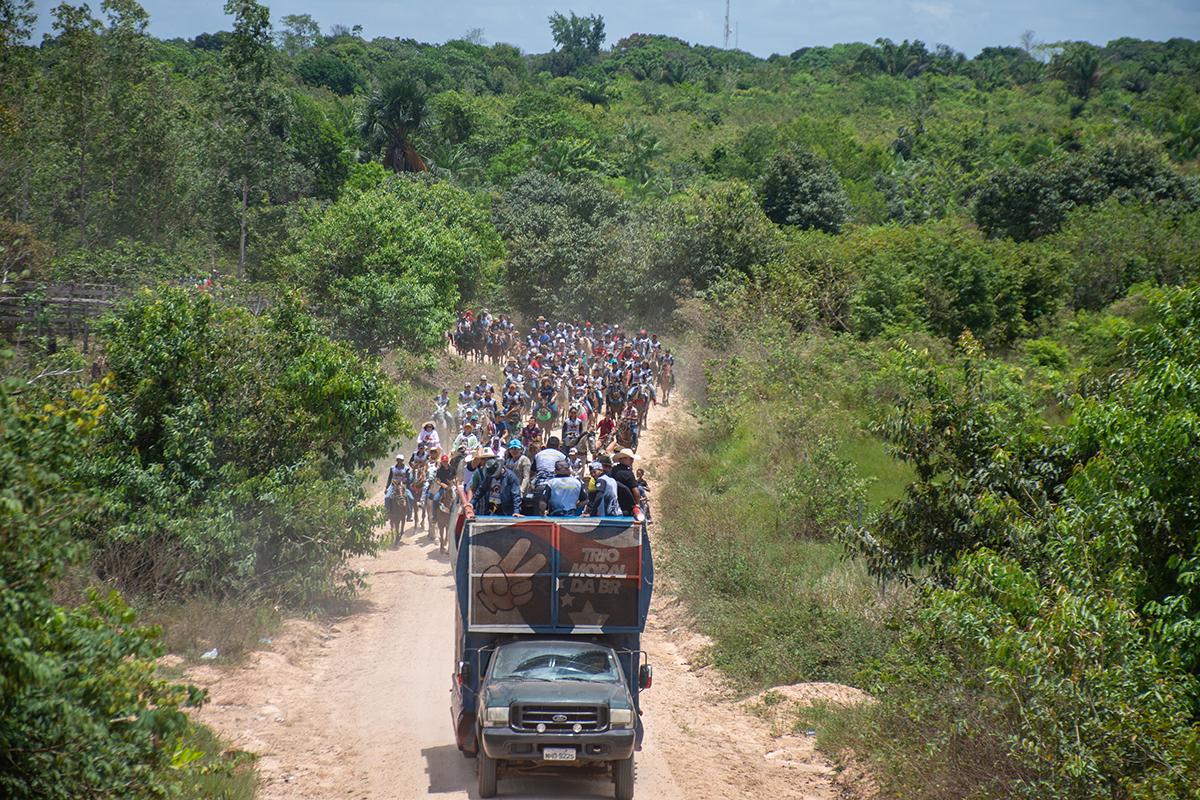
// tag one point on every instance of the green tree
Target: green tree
(799, 188)
(578, 38)
(1183, 135)
(317, 146)
(556, 232)
(251, 106)
(393, 259)
(83, 711)
(975, 463)
(643, 148)
(17, 85)
(329, 70)
(456, 116)
(229, 460)
(78, 115)
(453, 161)
(298, 33)
(1020, 203)
(1077, 66)
(595, 93)
(391, 116)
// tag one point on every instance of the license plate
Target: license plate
(558, 753)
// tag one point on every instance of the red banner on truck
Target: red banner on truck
(570, 575)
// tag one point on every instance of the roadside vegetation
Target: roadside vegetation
(937, 316)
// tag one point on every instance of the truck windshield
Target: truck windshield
(555, 661)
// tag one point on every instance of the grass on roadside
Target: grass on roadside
(197, 625)
(780, 608)
(207, 769)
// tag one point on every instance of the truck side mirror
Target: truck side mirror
(464, 671)
(645, 676)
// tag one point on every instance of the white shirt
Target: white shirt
(544, 461)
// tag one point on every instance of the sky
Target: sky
(763, 26)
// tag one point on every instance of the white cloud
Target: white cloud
(935, 10)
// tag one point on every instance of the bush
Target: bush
(1020, 203)
(1055, 651)
(403, 233)
(228, 460)
(1115, 245)
(800, 189)
(753, 500)
(126, 262)
(1024, 203)
(1037, 683)
(945, 278)
(82, 710)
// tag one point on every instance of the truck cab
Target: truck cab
(549, 667)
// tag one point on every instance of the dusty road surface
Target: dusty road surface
(360, 708)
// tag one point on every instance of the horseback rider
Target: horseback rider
(400, 479)
(572, 429)
(429, 436)
(467, 440)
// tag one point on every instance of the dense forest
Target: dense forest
(939, 315)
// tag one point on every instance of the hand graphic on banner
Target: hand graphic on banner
(504, 586)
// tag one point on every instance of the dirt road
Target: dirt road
(360, 708)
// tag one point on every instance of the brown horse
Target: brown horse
(396, 503)
(666, 382)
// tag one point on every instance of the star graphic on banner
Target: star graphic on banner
(566, 600)
(588, 616)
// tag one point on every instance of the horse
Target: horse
(498, 344)
(439, 520)
(627, 432)
(614, 398)
(442, 420)
(420, 510)
(641, 401)
(580, 442)
(666, 382)
(396, 502)
(545, 414)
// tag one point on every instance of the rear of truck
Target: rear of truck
(549, 666)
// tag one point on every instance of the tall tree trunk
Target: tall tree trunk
(82, 177)
(242, 240)
(412, 161)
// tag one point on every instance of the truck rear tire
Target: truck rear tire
(487, 774)
(623, 778)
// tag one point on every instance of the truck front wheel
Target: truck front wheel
(623, 778)
(487, 774)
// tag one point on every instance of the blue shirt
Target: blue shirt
(563, 493)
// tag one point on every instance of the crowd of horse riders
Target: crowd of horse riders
(559, 437)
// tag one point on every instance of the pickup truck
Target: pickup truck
(549, 668)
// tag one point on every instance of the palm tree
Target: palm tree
(1078, 66)
(562, 157)
(1183, 135)
(448, 160)
(392, 115)
(596, 93)
(644, 148)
